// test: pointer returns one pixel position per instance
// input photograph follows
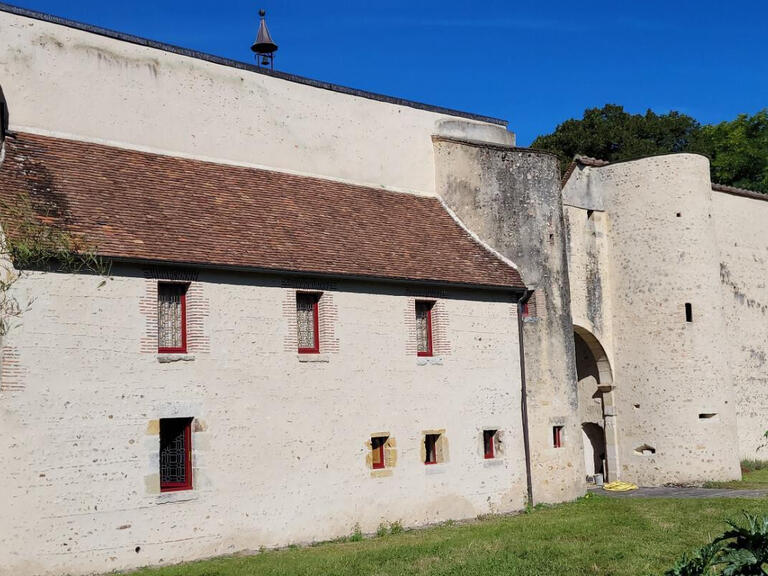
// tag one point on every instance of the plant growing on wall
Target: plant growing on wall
(32, 239)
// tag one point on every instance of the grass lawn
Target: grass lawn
(596, 535)
(754, 477)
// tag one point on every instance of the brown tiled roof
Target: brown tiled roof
(141, 206)
(733, 190)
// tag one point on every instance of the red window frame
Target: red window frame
(183, 348)
(377, 446)
(430, 448)
(315, 320)
(489, 437)
(187, 484)
(557, 436)
(428, 305)
(525, 310)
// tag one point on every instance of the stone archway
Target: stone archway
(596, 405)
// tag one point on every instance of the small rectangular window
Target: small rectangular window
(525, 310)
(489, 444)
(558, 436)
(430, 448)
(307, 322)
(172, 317)
(424, 327)
(377, 452)
(175, 454)
(688, 312)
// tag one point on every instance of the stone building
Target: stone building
(327, 308)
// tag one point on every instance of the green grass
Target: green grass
(592, 536)
(754, 476)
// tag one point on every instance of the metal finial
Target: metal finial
(264, 47)
(262, 13)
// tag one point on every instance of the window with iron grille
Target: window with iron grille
(489, 444)
(430, 448)
(175, 454)
(424, 327)
(377, 452)
(171, 317)
(307, 322)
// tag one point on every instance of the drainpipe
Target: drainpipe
(524, 395)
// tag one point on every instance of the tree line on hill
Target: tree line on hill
(737, 149)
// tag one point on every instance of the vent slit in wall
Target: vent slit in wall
(706, 415)
(645, 450)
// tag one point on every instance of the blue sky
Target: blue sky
(534, 64)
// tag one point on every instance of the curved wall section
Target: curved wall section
(675, 398)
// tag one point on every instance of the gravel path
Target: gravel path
(675, 492)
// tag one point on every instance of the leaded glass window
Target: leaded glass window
(307, 321)
(424, 328)
(171, 321)
(175, 454)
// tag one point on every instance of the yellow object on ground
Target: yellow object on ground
(619, 486)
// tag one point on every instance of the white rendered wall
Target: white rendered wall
(71, 82)
(741, 225)
(279, 444)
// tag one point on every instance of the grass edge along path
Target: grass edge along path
(592, 536)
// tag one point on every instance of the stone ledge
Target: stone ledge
(166, 358)
(429, 361)
(313, 357)
(181, 496)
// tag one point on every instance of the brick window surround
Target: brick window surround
(175, 454)
(308, 322)
(172, 317)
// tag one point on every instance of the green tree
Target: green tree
(738, 151)
(610, 133)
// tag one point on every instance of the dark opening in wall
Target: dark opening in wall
(679, 214)
(489, 444)
(645, 450)
(590, 214)
(707, 415)
(688, 312)
(430, 448)
(175, 454)
(377, 452)
(558, 436)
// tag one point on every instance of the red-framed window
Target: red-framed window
(377, 452)
(175, 454)
(489, 444)
(308, 322)
(172, 317)
(525, 310)
(558, 436)
(430, 448)
(424, 327)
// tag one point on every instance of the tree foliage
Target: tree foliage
(738, 149)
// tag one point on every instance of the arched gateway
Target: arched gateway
(596, 405)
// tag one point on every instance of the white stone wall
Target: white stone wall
(280, 445)
(70, 82)
(662, 251)
(741, 226)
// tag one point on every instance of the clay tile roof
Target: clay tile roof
(584, 161)
(135, 205)
(739, 191)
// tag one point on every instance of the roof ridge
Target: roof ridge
(146, 42)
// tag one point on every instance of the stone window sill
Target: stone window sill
(166, 358)
(431, 469)
(429, 361)
(313, 357)
(181, 496)
(492, 462)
